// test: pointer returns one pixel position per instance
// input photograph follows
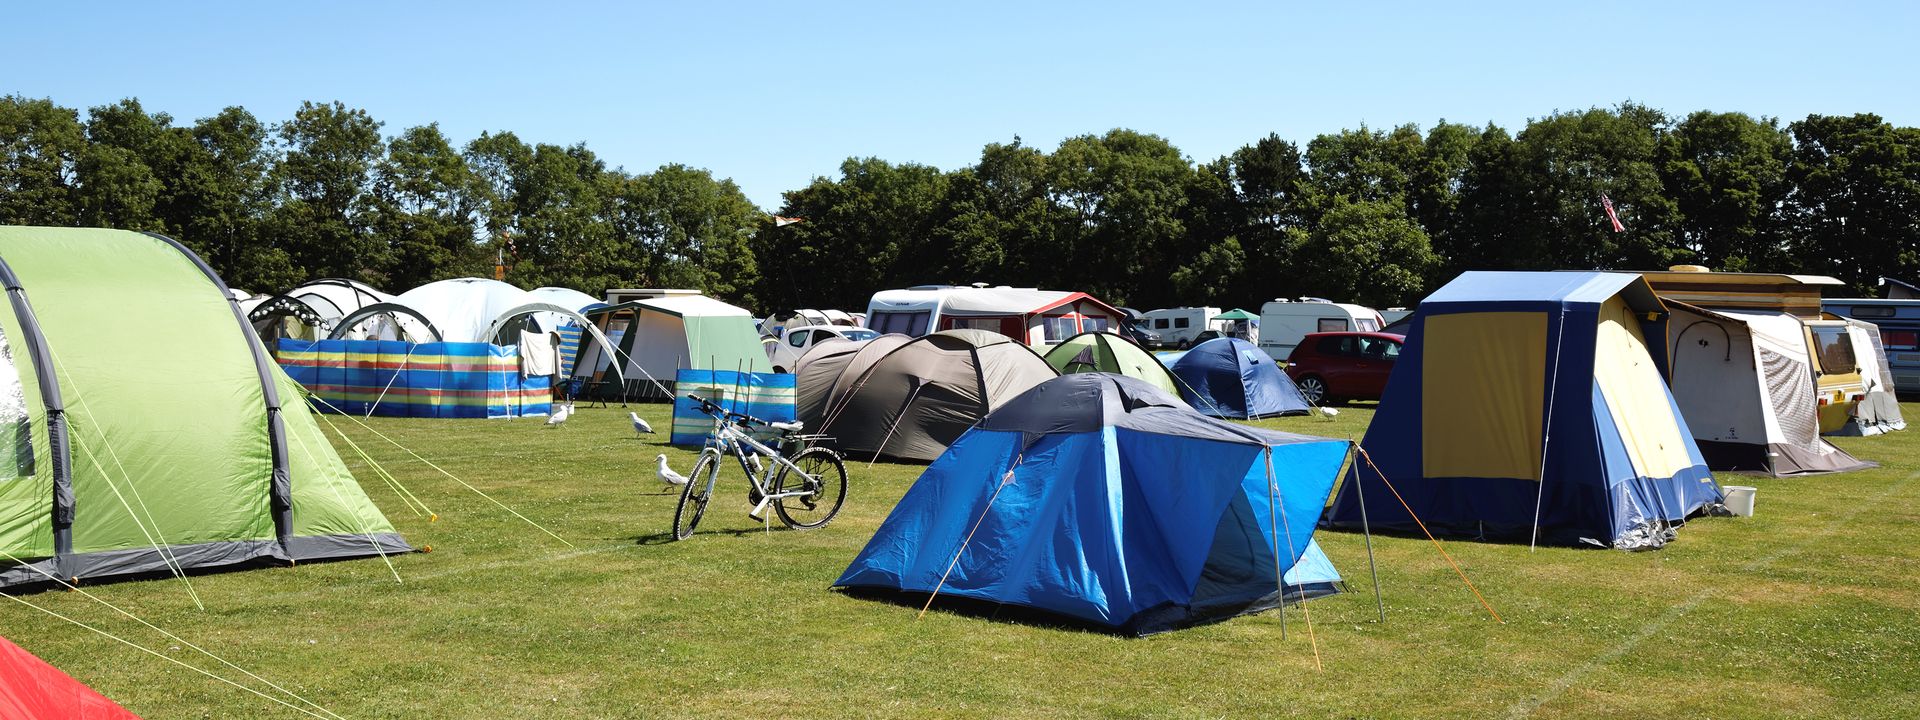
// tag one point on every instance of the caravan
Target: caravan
(1031, 316)
(1177, 327)
(1284, 322)
(1898, 317)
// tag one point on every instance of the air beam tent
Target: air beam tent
(1233, 378)
(1744, 382)
(1503, 368)
(923, 394)
(1110, 353)
(1876, 410)
(1105, 501)
(195, 439)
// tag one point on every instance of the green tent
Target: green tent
(1110, 353)
(658, 337)
(1236, 314)
(181, 434)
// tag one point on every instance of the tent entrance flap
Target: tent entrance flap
(1636, 395)
(1484, 394)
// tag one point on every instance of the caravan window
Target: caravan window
(1160, 324)
(1366, 325)
(1180, 322)
(911, 324)
(1332, 325)
(1835, 350)
(1058, 328)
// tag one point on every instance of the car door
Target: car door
(1337, 354)
(1373, 365)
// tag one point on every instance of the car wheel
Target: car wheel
(1313, 389)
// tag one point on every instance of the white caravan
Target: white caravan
(1284, 322)
(1033, 317)
(1178, 326)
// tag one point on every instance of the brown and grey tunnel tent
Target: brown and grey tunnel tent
(923, 394)
(191, 450)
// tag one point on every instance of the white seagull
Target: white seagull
(560, 414)
(667, 475)
(640, 425)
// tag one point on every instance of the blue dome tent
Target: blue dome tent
(1233, 378)
(1105, 501)
(1527, 398)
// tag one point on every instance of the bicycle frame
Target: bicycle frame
(732, 439)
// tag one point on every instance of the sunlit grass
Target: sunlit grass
(1807, 610)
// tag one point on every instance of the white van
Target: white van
(1178, 326)
(1284, 322)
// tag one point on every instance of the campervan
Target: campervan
(1899, 321)
(1283, 322)
(1177, 327)
(1029, 315)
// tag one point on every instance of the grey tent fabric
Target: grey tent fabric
(822, 383)
(915, 400)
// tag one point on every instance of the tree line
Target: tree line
(1369, 215)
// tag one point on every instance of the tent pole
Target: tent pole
(1546, 431)
(1366, 530)
(1273, 492)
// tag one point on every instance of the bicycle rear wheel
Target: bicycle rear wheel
(825, 484)
(694, 496)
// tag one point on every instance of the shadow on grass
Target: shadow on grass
(663, 538)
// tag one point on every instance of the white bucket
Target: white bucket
(1739, 499)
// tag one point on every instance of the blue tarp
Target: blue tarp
(1233, 378)
(1107, 501)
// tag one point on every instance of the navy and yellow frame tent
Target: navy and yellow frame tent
(1107, 502)
(1524, 393)
(194, 442)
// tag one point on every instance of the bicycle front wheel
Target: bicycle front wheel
(694, 496)
(825, 485)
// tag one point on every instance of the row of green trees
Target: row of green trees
(1375, 216)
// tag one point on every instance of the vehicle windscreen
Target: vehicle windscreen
(1835, 350)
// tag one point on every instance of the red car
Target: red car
(1334, 367)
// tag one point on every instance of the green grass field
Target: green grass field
(1807, 610)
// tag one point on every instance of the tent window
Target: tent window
(15, 429)
(1835, 349)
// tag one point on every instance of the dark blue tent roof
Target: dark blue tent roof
(1099, 498)
(1230, 377)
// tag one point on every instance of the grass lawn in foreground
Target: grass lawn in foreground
(1807, 610)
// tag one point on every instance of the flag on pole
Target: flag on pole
(1612, 217)
(785, 221)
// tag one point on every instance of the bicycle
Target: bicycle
(806, 493)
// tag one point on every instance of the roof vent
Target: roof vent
(1689, 268)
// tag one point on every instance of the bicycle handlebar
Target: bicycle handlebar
(712, 408)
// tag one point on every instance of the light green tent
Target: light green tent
(1236, 314)
(1110, 353)
(183, 435)
(658, 337)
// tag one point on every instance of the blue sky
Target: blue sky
(774, 94)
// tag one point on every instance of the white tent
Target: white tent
(1744, 382)
(312, 311)
(464, 309)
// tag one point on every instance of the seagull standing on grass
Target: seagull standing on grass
(667, 475)
(640, 425)
(560, 415)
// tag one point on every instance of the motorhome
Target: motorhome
(1898, 315)
(1029, 315)
(1177, 327)
(1284, 322)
